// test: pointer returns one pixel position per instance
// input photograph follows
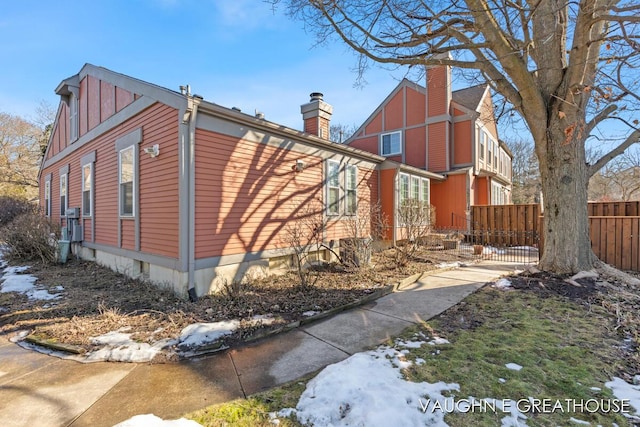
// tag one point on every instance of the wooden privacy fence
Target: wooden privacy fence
(616, 240)
(614, 229)
(506, 225)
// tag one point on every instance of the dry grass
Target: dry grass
(97, 300)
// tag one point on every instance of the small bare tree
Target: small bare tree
(415, 220)
(366, 229)
(304, 236)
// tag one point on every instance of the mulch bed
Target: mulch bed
(97, 300)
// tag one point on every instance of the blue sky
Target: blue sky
(233, 52)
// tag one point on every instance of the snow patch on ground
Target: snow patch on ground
(117, 346)
(368, 389)
(13, 280)
(513, 366)
(198, 334)
(150, 420)
(503, 284)
(438, 341)
(623, 390)
(449, 265)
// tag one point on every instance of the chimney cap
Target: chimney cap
(316, 96)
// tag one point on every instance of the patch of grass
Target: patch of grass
(565, 349)
(253, 411)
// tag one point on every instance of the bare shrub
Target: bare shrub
(28, 237)
(304, 236)
(415, 219)
(366, 230)
(12, 207)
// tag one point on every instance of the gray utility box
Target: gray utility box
(77, 233)
(73, 213)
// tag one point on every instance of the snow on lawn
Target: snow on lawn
(13, 280)
(150, 420)
(623, 390)
(503, 284)
(368, 389)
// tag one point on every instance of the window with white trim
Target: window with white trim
(495, 155)
(87, 189)
(391, 143)
(404, 189)
(333, 187)
(126, 178)
(350, 189)
(425, 190)
(47, 198)
(63, 194)
(482, 138)
(489, 151)
(73, 118)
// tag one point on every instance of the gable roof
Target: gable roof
(470, 97)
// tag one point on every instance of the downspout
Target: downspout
(396, 190)
(192, 104)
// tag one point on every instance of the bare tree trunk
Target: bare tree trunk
(564, 175)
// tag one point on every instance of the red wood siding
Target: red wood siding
(158, 184)
(437, 91)
(387, 194)
(370, 144)
(416, 108)
(462, 134)
(393, 113)
(93, 101)
(96, 103)
(375, 126)
(83, 104)
(123, 98)
(246, 192)
(107, 100)
(449, 198)
(437, 147)
(415, 147)
(128, 234)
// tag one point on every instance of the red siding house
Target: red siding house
(450, 133)
(163, 185)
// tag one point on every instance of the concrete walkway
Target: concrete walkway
(40, 390)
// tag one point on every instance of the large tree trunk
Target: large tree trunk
(564, 175)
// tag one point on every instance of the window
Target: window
(127, 177)
(63, 194)
(333, 187)
(425, 190)
(482, 138)
(404, 189)
(73, 117)
(87, 187)
(489, 151)
(47, 198)
(495, 154)
(351, 185)
(390, 144)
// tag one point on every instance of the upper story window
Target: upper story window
(482, 138)
(126, 174)
(489, 151)
(391, 143)
(73, 117)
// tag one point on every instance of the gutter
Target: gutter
(192, 104)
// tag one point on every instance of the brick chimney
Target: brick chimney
(317, 116)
